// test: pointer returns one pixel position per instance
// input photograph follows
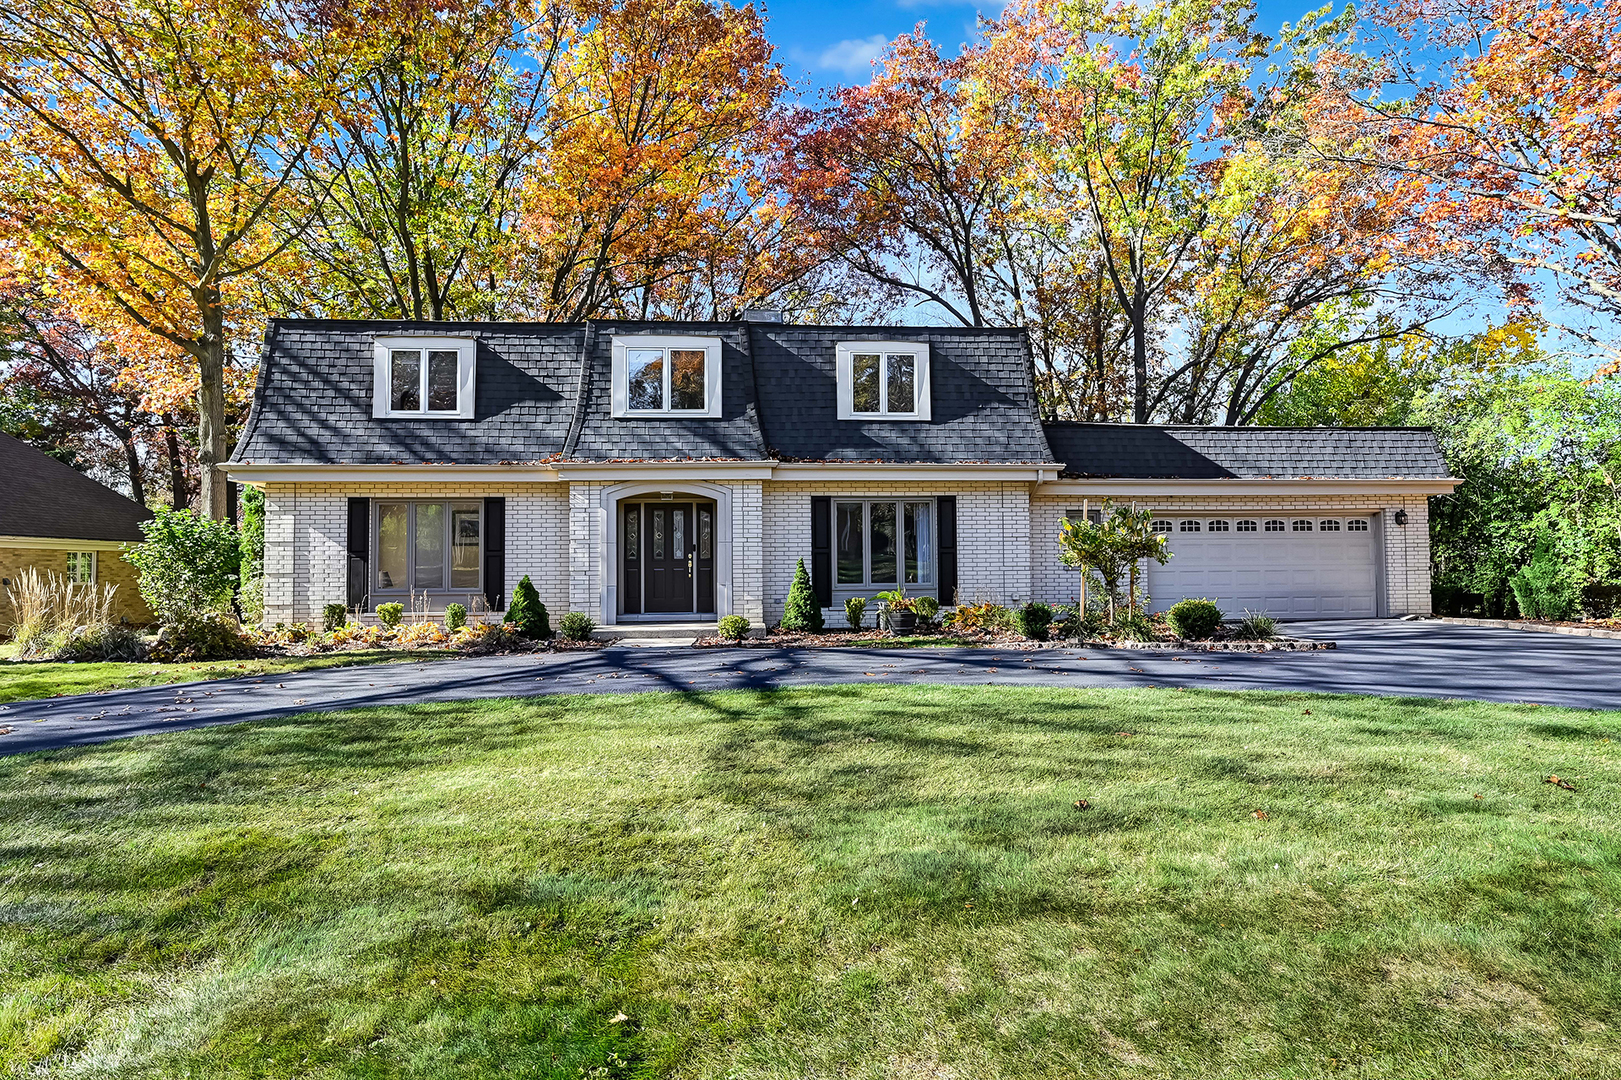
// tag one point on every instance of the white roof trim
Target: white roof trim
(63, 543)
(1440, 486)
(248, 473)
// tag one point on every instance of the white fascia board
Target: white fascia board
(666, 470)
(857, 470)
(247, 473)
(1251, 488)
(62, 543)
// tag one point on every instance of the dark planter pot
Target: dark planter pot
(903, 622)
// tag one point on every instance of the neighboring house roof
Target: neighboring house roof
(41, 497)
(1141, 451)
(983, 399)
(534, 403)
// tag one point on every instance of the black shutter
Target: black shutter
(495, 553)
(359, 552)
(947, 508)
(822, 549)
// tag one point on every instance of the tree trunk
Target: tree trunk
(211, 446)
(1139, 357)
(178, 496)
(132, 461)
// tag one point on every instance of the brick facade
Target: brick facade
(111, 569)
(1007, 539)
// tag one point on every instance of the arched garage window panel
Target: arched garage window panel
(1275, 525)
(1357, 525)
(1189, 525)
(1246, 525)
(1302, 525)
(1161, 525)
(1219, 525)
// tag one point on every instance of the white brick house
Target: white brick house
(645, 472)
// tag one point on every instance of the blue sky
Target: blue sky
(827, 42)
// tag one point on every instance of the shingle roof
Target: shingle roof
(312, 404)
(1212, 453)
(41, 497)
(982, 398)
(313, 400)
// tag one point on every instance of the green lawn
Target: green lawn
(21, 681)
(849, 882)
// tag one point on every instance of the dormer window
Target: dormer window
(423, 377)
(883, 380)
(666, 376)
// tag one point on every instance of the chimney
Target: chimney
(760, 315)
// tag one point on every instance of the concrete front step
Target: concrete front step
(655, 631)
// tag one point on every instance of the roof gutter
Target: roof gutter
(257, 475)
(1255, 487)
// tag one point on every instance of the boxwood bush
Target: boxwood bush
(576, 626)
(1194, 620)
(734, 628)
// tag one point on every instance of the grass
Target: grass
(26, 680)
(845, 882)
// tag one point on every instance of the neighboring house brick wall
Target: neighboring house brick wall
(307, 540)
(993, 535)
(1406, 547)
(111, 569)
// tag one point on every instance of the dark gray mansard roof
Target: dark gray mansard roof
(1098, 451)
(543, 394)
(313, 401)
(41, 497)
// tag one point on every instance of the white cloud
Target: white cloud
(853, 56)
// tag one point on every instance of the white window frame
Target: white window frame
(73, 576)
(466, 350)
(844, 363)
(711, 347)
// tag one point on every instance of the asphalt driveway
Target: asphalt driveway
(1419, 659)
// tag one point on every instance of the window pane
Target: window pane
(633, 522)
(706, 529)
(429, 545)
(902, 383)
(646, 371)
(882, 525)
(919, 542)
(849, 544)
(864, 382)
(686, 378)
(82, 566)
(405, 380)
(465, 551)
(391, 541)
(442, 381)
(658, 534)
(678, 534)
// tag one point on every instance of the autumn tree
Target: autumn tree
(148, 145)
(1504, 118)
(646, 197)
(412, 216)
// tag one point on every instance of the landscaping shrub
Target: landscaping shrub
(1033, 619)
(333, 616)
(1134, 625)
(855, 609)
(215, 635)
(1194, 620)
(734, 628)
(576, 626)
(527, 613)
(983, 617)
(188, 565)
(250, 597)
(1256, 626)
(98, 641)
(801, 614)
(455, 616)
(1541, 588)
(927, 608)
(390, 614)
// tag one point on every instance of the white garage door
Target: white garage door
(1288, 566)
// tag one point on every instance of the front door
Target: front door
(668, 557)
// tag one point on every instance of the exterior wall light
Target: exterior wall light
(1401, 517)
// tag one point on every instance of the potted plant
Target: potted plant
(898, 610)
